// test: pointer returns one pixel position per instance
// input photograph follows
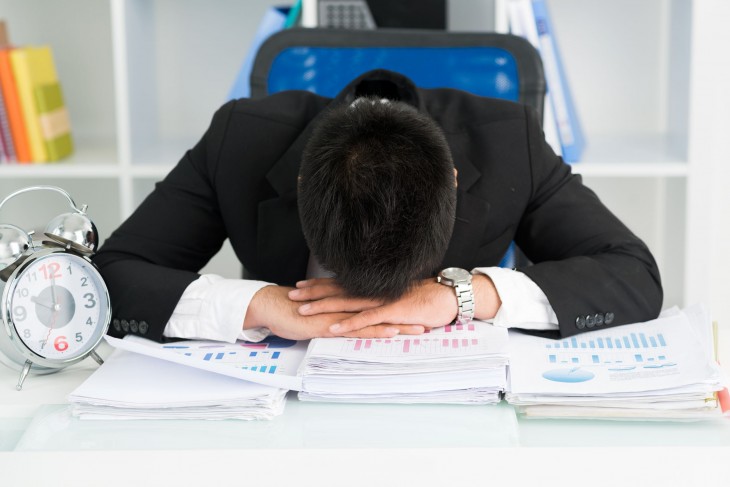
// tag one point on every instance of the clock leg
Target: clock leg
(23, 374)
(96, 357)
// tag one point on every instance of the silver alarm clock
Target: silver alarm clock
(54, 305)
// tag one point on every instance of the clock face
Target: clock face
(59, 306)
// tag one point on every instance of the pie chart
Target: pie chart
(568, 375)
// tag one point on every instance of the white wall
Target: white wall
(710, 119)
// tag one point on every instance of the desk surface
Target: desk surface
(440, 443)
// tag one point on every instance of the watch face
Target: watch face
(455, 274)
(59, 306)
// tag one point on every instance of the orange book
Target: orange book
(14, 110)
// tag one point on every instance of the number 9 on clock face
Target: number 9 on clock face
(59, 306)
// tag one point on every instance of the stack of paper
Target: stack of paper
(133, 386)
(191, 380)
(661, 369)
(454, 364)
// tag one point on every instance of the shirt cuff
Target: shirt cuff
(213, 308)
(524, 305)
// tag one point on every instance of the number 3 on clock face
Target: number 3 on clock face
(59, 306)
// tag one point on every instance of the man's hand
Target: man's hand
(427, 303)
(272, 308)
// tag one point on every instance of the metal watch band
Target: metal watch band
(465, 301)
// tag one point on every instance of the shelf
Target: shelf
(150, 171)
(95, 158)
(631, 156)
(163, 152)
(630, 170)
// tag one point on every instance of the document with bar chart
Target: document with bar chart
(273, 362)
(659, 354)
(464, 364)
(451, 342)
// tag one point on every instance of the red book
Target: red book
(13, 109)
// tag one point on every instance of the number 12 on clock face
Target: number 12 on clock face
(59, 306)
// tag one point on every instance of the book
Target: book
(569, 128)
(54, 121)
(531, 20)
(13, 109)
(522, 24)
(7, 150)
(33, 67)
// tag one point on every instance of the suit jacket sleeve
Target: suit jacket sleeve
(594, 271)
(149, 261)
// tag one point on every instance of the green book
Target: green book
(54, 121)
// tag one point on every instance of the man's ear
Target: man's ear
(456, 178)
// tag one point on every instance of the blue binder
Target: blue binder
(572, 140)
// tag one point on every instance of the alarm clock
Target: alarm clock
(54, 305)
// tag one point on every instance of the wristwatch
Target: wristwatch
(460, 280)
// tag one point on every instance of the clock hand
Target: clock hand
(53, 289)
(51, 306)
(54, 310)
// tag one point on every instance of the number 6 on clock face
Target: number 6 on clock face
(59, 306)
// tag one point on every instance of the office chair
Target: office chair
(324, 61)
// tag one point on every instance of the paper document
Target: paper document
(661, 369)
(273, 362)
(134, 386)
(454, 364)
(449, 342)
(658, 354)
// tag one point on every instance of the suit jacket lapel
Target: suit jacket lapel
(282, 250)
(471, 211)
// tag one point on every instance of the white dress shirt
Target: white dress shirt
(213, 308)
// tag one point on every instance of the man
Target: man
(370, 195)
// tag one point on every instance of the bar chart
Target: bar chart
(411, 346)
(448, 340)
(624, 352)
(257, 358)
(455, 328)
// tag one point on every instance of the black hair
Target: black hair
(377, 196)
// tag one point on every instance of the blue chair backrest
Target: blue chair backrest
(485, 71)
(324, 61)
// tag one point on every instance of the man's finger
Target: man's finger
(337, 305)
(402, 330)
(312, 293)
(369, 317)
(376, 331)
(315, 282)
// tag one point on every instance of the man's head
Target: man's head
(377, 196)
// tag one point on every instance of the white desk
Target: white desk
(347, 445)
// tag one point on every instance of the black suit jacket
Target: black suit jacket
(239, 182)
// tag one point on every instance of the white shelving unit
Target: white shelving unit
(142, 79)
